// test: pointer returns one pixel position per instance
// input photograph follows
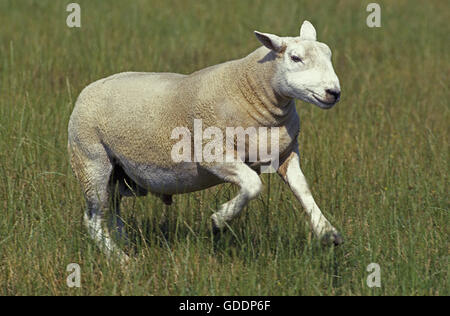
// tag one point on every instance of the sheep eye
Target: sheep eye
(296, 59)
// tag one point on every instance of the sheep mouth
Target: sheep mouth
(325, 103)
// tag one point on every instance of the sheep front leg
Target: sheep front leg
(250, 186)
(292, 174)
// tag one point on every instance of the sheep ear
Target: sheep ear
(271, 41)
(308, 32)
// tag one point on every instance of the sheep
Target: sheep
(119, 133)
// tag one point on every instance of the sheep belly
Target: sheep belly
(180, 178)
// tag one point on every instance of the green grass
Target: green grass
(378, 163)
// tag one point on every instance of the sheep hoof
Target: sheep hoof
(332, 238)
(215, 225)
(214, 228)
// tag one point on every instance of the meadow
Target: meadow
(377, 163)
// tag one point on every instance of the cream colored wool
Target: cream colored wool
(125, 122)
(133, 114)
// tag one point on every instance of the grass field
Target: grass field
(377, 163)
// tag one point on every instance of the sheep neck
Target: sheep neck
(265, 105)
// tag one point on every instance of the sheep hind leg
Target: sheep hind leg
(116, 225)
(121, 185)
(94, 174)
(93, 220)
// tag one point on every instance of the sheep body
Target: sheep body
(132, 116)
(121, 130)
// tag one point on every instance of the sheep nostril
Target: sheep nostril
(335, 93)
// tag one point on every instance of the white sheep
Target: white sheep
(120, 130)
